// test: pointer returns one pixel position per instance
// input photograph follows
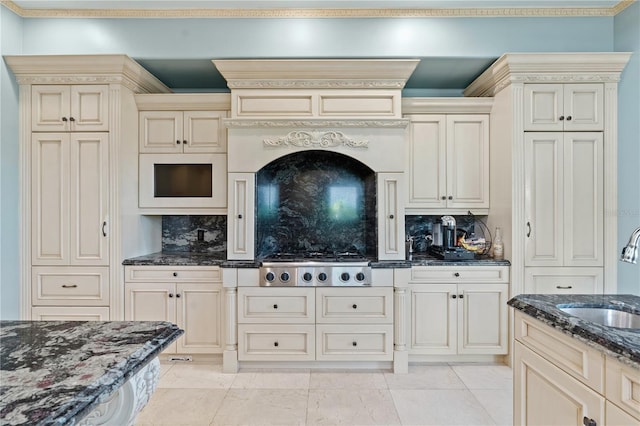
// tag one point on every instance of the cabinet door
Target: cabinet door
(544, 194)
(50, 108)
(390, 216)
(161, 131)
(89, 199)
(583, 107)
(241, 220)
(583, 222)
(616, 417)
(546, 395)
(482, 318)
(433, 319)
(89, 108)
(204, 132)
(543, 107)
(467, 161)
(50, 198)
(151, 302)
(199, 314)
(426, 162)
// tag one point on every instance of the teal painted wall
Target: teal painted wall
(10, 43)
(627, 39)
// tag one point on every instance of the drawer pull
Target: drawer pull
(354, 343)
(275, 344)
(275, 306)
(354, 306)
(564, 287)
(69, 285)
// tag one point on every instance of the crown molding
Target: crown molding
(235, 123)
(548, 68)
(316, 73)
(67, 69)
(316, 13)
(446, 105)
(184, 101)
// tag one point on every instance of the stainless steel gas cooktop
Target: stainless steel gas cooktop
(341, 269)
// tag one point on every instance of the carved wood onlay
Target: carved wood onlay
(250, 124)
(315, 139)
(316, 84)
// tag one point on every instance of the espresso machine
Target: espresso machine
(445, 241)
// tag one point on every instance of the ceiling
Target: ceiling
(433, 73)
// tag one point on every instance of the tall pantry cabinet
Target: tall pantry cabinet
(77, 119)
(555, 164)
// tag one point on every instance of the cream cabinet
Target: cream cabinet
(390, 216)
(190, 297)
(564, 199)
(559, 380)
(542, 280)
(182, 132)
(70, 108)
(564, 107)
(70, 199)
(448, 162)
(66, 313)
(458, 310)
(241, 219)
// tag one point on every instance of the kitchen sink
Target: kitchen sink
(604, 316)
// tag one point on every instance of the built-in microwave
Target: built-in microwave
(183, 181)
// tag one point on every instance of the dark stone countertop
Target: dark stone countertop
(56, 372)
(176, 259)
(422, 259)
(621, 343)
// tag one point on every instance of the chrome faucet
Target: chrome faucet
(630, 251)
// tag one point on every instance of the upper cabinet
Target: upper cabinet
(447, 158)
(70, 108)
(182, 132)
(564, 107)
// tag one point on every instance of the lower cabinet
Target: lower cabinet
(328, 324)
(561, 381)
(559, 280)
(190, 297)
(459, 310)
(69, 313)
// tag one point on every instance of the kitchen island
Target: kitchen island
(79, 373)
(571, 370)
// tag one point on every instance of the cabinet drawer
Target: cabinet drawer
(623, 386)
(578, 360)
(459, 274)
(563, 280)
(354, 305)
(276, 305)
(266, 342)
(173, 274)
(354, 342)
(67, 313)
(73, 286)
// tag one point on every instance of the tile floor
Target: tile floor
(435, 394)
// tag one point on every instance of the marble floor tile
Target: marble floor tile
(485, 376)
(196, 376)
(271, 380)
(441, 407)
(498, 403)
(263, 407)
(193, 407)
(347, 380)
(425, 377)
(165, 367)
(351, 407)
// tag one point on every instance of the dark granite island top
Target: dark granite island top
(621, 343)
(58, 372)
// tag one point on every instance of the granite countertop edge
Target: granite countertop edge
(619, 343)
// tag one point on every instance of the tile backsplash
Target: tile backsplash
(180, 234)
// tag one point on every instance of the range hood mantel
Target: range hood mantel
(316, 73)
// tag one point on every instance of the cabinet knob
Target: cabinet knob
(391, 216)
(239, 216)
(354, 306)
(170, 294)
(178, 295)
(69, 285)
(457, 274)
(461, 296)
(184, 142)
(453, 296)
(569, 118)
(451, 197)
(178, 142)
(275, 306)
(72, 119)
(586, 421)
(443, 197)
(354, 343)
(275, 343)
(561, 118)
(64, 119)
(175, 274)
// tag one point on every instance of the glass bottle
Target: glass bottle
(498, 247)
